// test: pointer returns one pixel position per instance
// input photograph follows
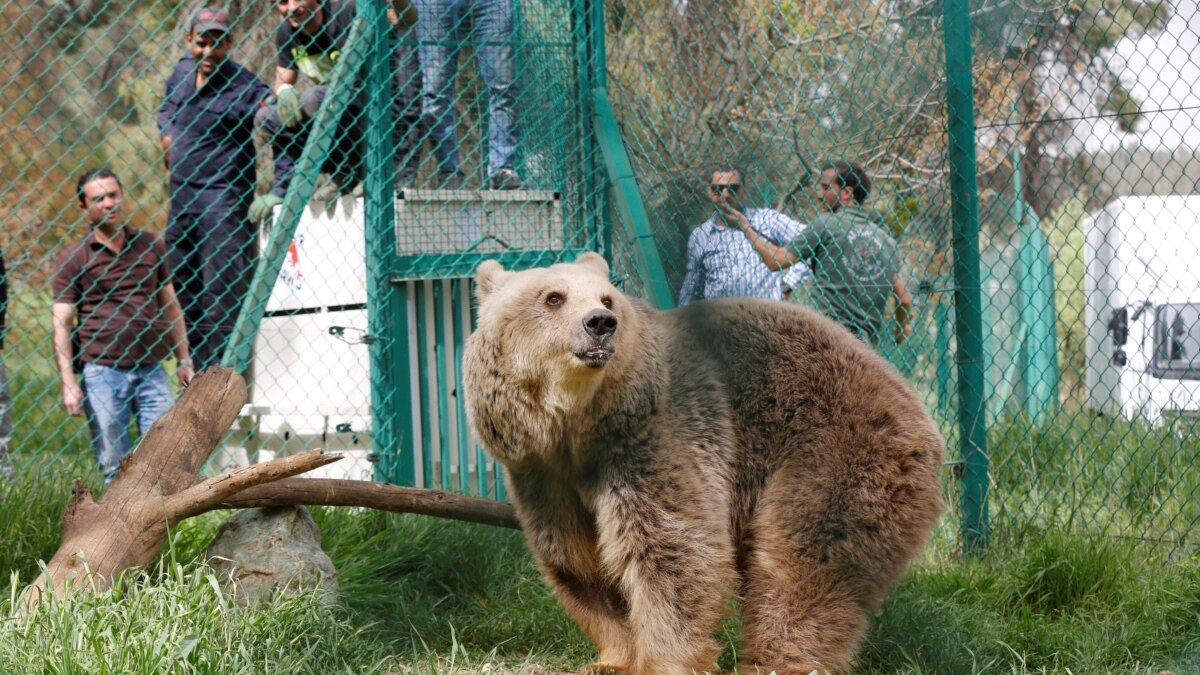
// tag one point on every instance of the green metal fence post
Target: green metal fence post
(960, 110)
(380, 232)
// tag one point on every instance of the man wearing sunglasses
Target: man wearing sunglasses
(722, 261)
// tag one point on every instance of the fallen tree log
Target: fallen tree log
(158, 486)
(395, 498)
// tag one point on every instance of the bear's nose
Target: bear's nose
(600, 323)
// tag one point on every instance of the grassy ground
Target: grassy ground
(428, 596)
(1093, 568)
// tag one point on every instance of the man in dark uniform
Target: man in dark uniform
(207, 125)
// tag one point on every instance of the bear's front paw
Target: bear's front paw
(603, 669)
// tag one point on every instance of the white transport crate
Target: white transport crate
(310, 378)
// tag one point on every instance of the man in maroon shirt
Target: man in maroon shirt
(117, 283)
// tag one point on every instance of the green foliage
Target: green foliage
(1052, 603)
(903, 211)
(1095, 475)
(176, 619)
(31, 507)
(1064, 229)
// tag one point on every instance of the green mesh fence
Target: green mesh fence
(1032, 188)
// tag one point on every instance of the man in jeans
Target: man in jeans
(441, 25)
(116, 281)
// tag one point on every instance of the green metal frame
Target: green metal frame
(968, 315)
(621, 176)
(380, 232)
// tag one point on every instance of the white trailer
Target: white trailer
(310, 378)
(1142, 280)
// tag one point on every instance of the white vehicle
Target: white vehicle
(1142, 281)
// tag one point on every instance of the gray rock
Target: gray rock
(261, 552)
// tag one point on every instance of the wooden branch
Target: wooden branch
(328, 492)
(128, 525)
(209, 495)
(158, 486)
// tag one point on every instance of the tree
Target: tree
(779, 84)
(1060, 94)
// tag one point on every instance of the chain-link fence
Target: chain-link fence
(325, 245)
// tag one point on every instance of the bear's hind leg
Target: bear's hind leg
(799, 622)
(803, 589)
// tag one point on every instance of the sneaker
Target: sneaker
(505, 179)
(448, 180)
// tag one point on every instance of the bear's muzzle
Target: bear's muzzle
(600, 325)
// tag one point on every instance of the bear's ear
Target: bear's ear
(594, 261)
(489, 276)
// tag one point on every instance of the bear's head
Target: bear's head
(552, 347)
(566, 317)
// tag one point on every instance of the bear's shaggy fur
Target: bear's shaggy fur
(660, 462)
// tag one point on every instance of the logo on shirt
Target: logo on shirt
(864, 260)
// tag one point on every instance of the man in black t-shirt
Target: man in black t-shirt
(310, 40)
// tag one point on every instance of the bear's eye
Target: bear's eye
(555, 299)
(607, 302)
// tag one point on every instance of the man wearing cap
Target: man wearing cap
(206, 121)
(310, 40)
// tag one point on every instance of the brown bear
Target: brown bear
(661, 462)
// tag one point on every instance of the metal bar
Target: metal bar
(398, 463)
(416, 450)
(968, 315)
(441, 392)
(460, 322)
(380, 230)
(629, 201)
(604, 229)
(427, 367)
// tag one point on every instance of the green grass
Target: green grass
(1093, 568)
(1099, 476)
(430, 596)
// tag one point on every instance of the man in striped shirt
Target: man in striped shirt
(721, 260)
